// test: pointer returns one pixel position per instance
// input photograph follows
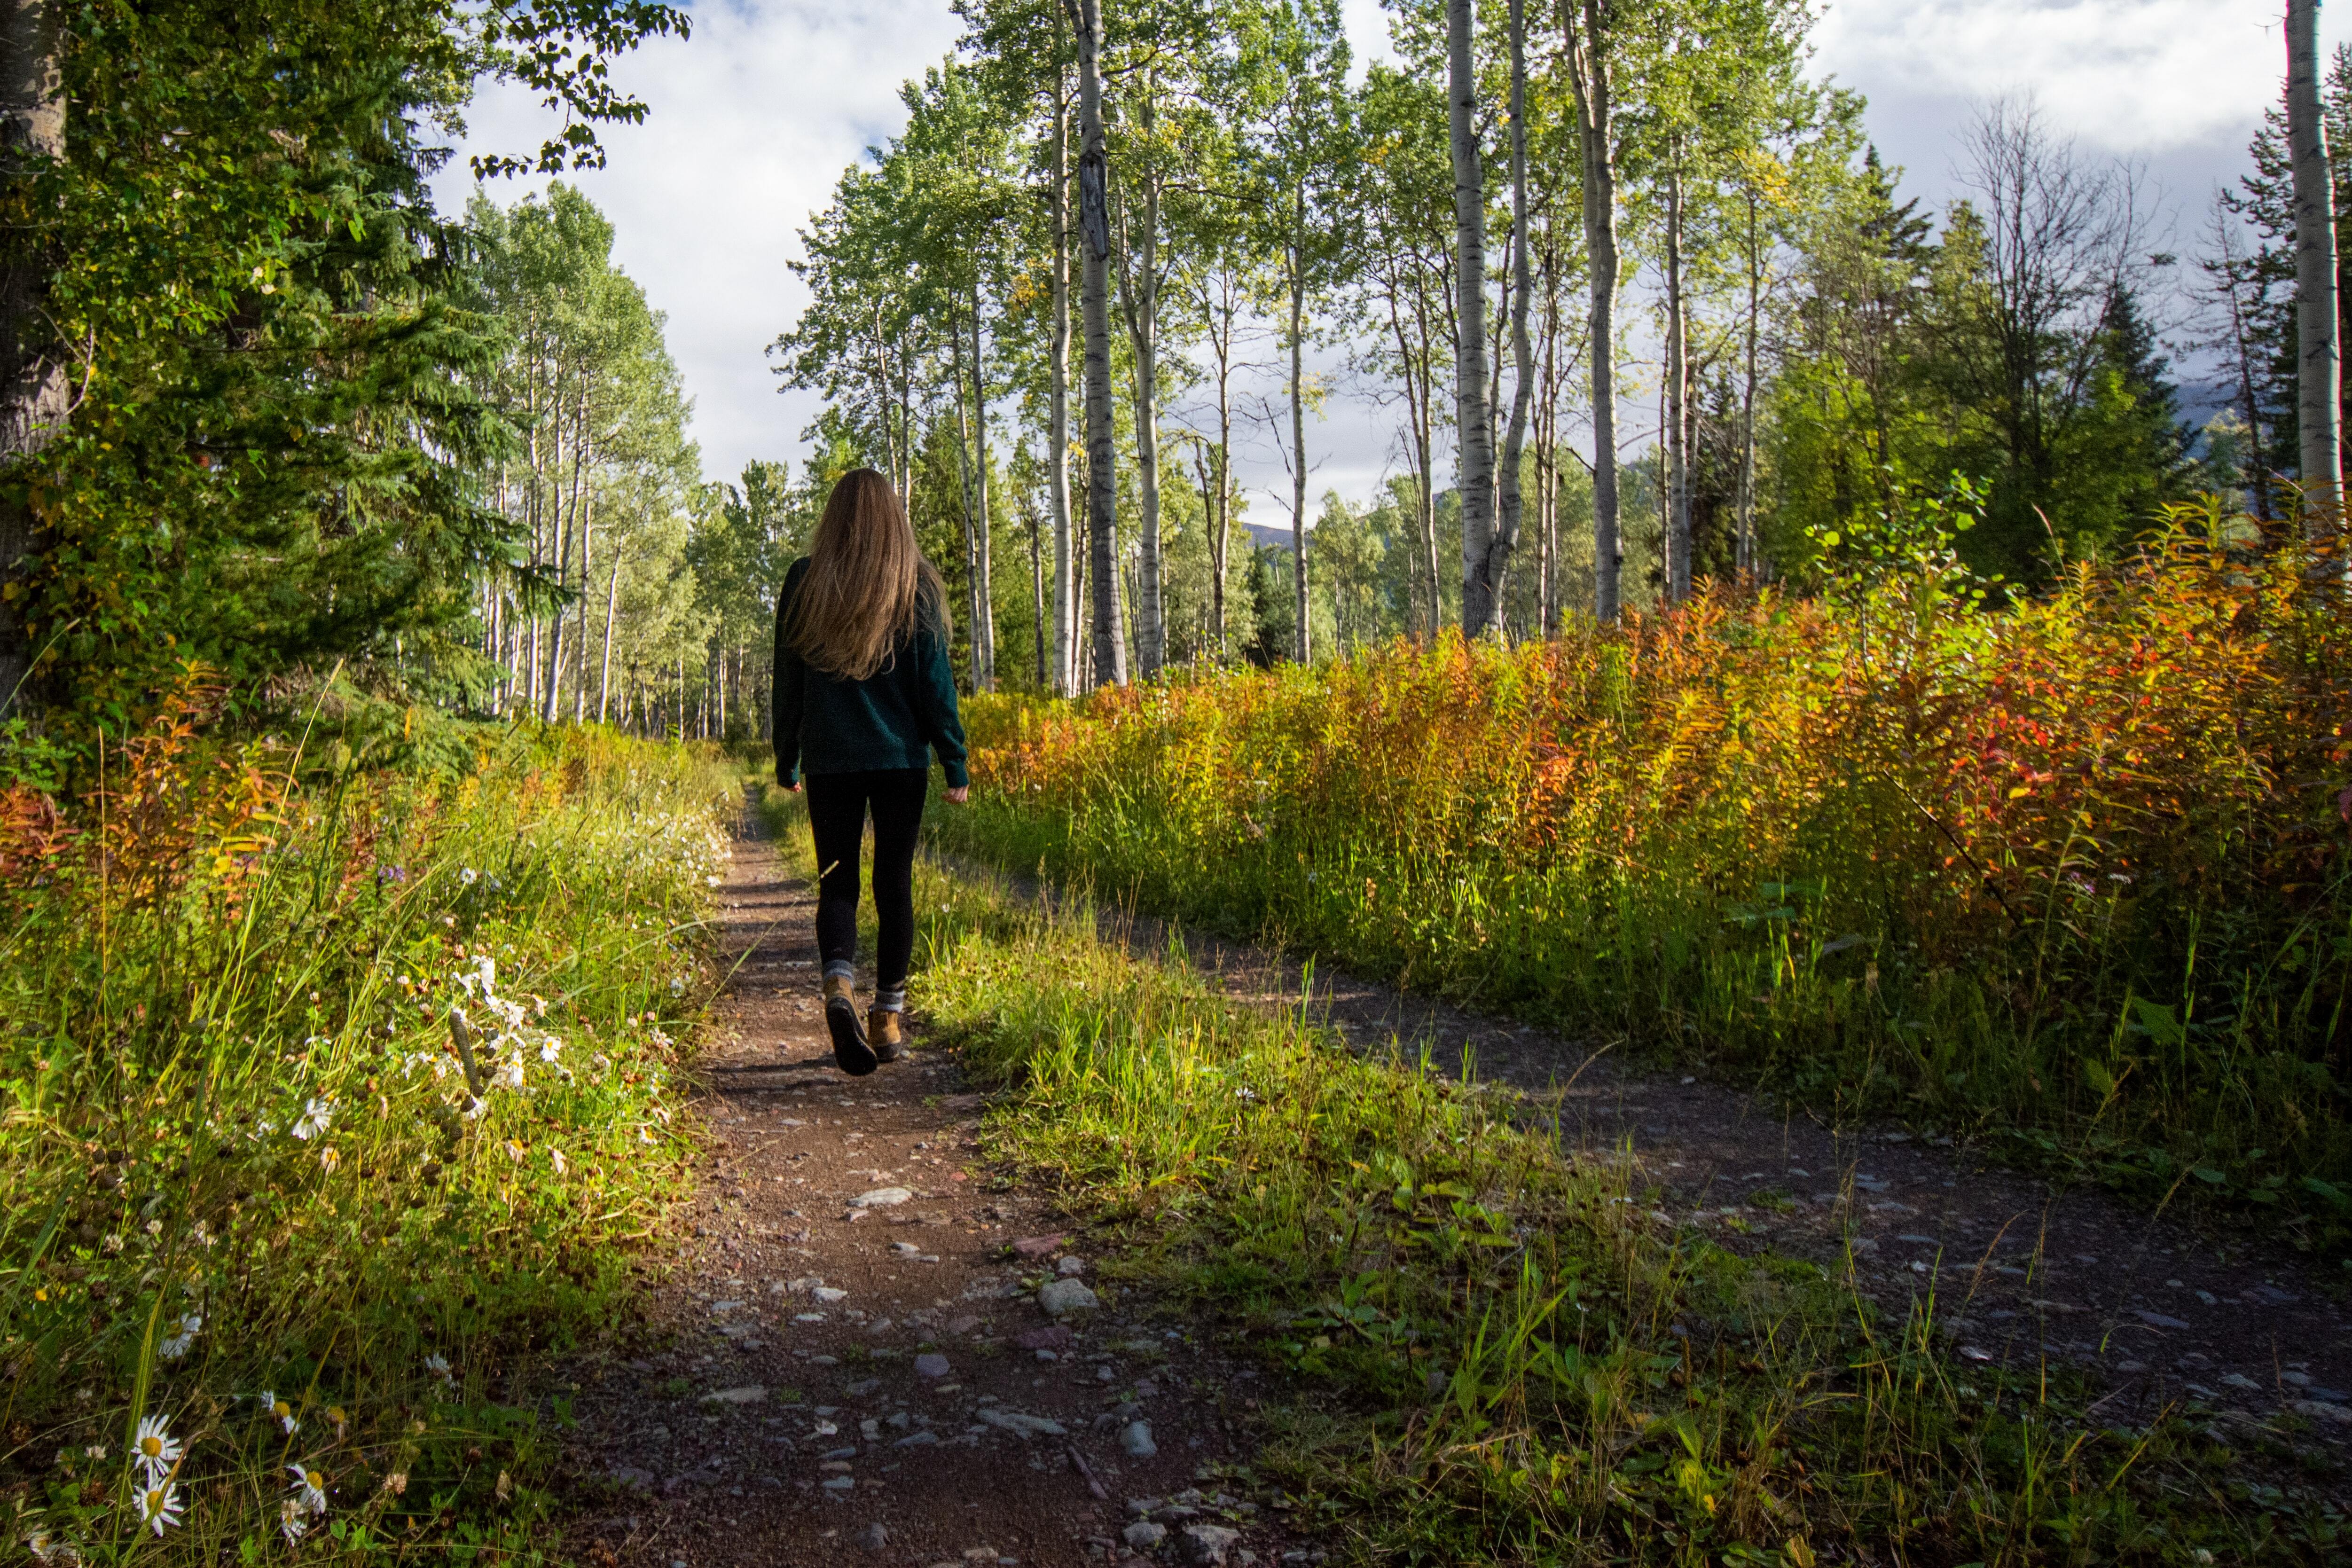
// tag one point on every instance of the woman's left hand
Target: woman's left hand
(959, 795)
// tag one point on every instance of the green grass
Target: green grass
(1488, 1352)
(252, 1185)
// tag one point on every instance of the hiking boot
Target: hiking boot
(849, 1048)
(883, 1029)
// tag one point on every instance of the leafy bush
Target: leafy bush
(2071, 869)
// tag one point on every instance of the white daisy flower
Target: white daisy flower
(316, 1114)
(677, 986)
(154, 1448)
(159, 1506)
(292, 1521)
(51, 1553)
(185, 1328)
(468, 876)
(438, 1365)
(279, 1411)
(509, 1075)
(557, 1155)
(309, 1489)
(550, 1049)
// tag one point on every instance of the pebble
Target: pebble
(1038, 1245)
(1051, 1337)
(2158, 1321)
(1207, 1544)
(963, 1325)
(1065, 1296)
(1021, 1426)
(874, 1538)
(751, 1394)
(1144, 1535)
(930, 1364)
(881, 1198)
(838, 1483)
(1070, 1267)
(830, 1293)
(1136, 1440)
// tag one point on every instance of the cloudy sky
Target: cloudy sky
(753, 119)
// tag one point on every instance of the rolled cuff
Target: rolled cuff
(958, 776)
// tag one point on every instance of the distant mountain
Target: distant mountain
(1263, 535)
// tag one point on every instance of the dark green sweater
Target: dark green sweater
(830, 725)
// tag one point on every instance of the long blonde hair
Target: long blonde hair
(866, 583)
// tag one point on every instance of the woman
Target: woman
(862, 688)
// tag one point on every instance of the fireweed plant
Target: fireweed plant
(331, 1097)
(2067, 872)
(1484, 1349)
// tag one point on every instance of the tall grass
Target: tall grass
(331, 1096)
(2072, 872)
(1488, 1352)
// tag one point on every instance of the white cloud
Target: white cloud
(754, 118)
(2131, 76)
(752, 121)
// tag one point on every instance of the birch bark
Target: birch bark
(1495, 570)
(32, 365)
(1474, 437)
(2319, 413)
(1094, 265)
(1588, 78)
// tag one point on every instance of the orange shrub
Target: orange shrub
(2073, 868)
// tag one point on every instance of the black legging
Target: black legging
(836, 806)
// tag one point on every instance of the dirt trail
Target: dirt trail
(2020, 1270)
(848, 1361)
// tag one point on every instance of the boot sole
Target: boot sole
(849, 1048)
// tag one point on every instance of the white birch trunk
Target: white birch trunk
(1094, 262)
(1495, 568)
(2319, 413)
(33, 380)
(1589, 77)
(1474, 437)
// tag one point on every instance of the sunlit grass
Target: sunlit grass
(1488, 1352)
(254, 1182)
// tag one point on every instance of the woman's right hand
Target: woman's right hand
(957, 796)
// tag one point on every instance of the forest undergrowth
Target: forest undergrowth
(1488, 1350)
(2067, 876)
(340, 1067)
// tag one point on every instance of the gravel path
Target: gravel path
(847, 1359)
